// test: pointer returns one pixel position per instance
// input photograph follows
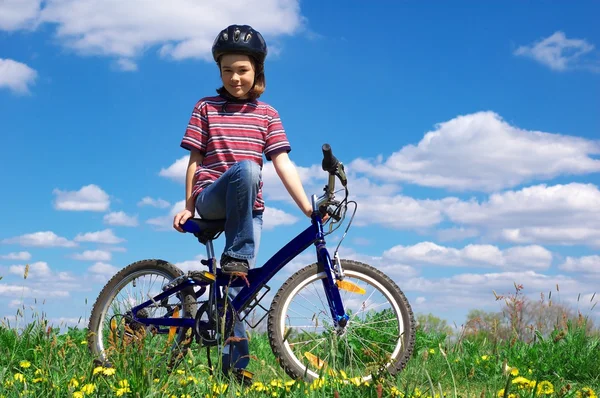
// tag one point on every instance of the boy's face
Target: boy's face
(237, 74)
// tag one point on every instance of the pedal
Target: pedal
(243, 376)
(202, 276)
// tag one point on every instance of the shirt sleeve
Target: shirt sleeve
(276, 139)
(196, 133)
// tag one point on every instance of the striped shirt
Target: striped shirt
(228, 132)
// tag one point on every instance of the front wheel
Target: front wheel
(377, 340)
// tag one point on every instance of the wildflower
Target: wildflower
(180, 371)
(545, 387)
(586, 392)
(484, 357)
(77, 394)
(258, 386)
(276, 383)
(514, 372)
(88, 388)
(38, 380)
(73, 383)
(123, 388)
(522, 382)
(98, 369)
(355, 381)
(432, 351)
(24, 364)
(109, 371)
(156, 380)
(500, 393)
(396, 393)
(19, 377)
(83, 342)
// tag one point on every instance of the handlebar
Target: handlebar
(333, 166)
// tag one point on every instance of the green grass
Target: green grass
(37, 361)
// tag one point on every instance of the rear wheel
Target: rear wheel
(377, 340)
(112, 330)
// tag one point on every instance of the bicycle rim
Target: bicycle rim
(371, 342)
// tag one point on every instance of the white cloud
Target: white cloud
(148, 201)
(40, 239)
(103, 269)
(126, 65)
(180, 29)
(273, 217)
(93, 255)
(88, 198)
(165, 223)
(586, 264)
(559, 53)
(120, 218)
(18, 14)
(14, 75)
(23, 256)
(481, 151)
(105, 236)
(560, 214)
(38, 269)
(398, 212)
(177, 170)
(429, 253)
(13, 290)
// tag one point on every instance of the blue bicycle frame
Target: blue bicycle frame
(257, 277)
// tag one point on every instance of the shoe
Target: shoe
(234, 266)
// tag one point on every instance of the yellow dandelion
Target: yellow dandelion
(88, 388)
(396, 393)
(545, 387)
(38, 380)
(514, 372)
(73, 383)
(97, 370)
(19, 377)
(258, 386)
(109, 371)
(432, 351)
(24, 364)
(500, 393)
(156, 380)
(83, 342)
(484, 357)
(180, 371)
(77, 394)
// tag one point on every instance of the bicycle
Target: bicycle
(351, 336)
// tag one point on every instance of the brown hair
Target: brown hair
(260, 82)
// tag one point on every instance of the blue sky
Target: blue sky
(470, 134)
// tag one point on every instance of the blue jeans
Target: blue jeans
(231, 197)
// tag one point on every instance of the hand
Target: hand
(181, 218)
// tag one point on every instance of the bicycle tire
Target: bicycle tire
(291, 362)
(184, 336)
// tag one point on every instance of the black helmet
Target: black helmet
(240, 39)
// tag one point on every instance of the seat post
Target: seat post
(210, 252)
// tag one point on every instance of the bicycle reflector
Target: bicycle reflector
(173, 329)
(350, 287)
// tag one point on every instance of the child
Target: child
(227, 136)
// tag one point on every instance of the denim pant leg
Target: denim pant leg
(231, 197)
(240, 355)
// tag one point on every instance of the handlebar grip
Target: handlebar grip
(329, 161)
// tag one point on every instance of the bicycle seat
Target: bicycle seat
(204, 230)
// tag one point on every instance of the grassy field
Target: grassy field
(38, 361)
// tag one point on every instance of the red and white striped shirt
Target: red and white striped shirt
(228, 132)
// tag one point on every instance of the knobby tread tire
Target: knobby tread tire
(189, 303)
(275, 335)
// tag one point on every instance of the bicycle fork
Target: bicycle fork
(332, 291)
